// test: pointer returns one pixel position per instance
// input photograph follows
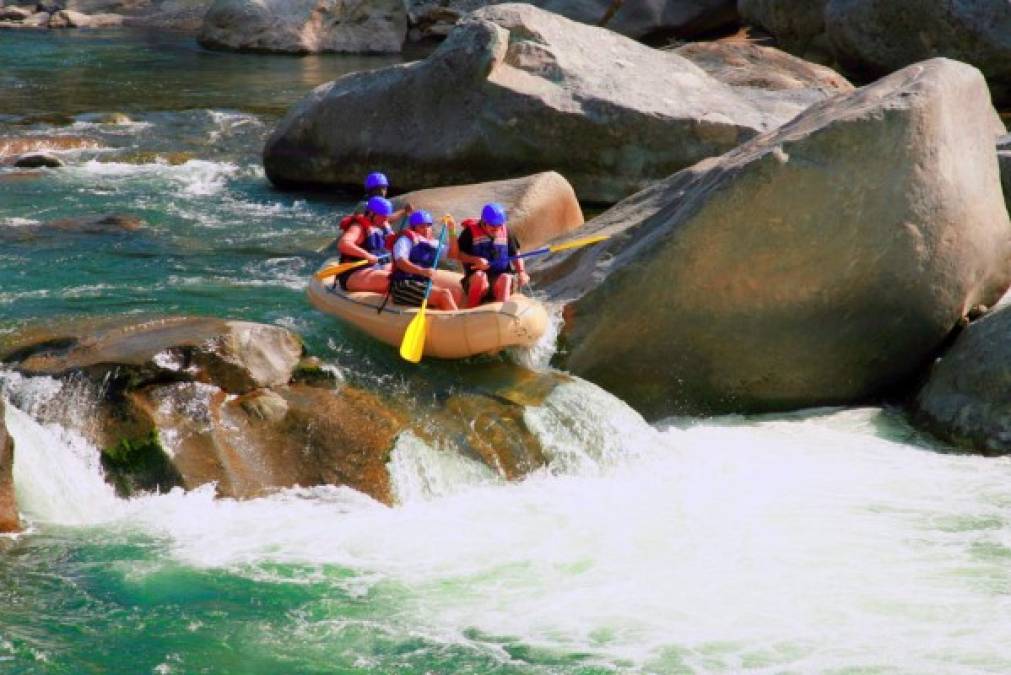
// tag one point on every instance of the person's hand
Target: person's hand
(523, 278)
(481, 264)
(372, 259)
(429, 273)
(408, 208)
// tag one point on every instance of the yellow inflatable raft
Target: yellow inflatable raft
(451, 335)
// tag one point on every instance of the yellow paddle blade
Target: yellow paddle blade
(585, 241)
(413, 344)
(334, 270)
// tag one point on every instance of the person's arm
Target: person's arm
(454, 243)
(348, 245)
(402, 259)
(407, 210)
(519, 265)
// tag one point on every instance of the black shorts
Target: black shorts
(409, 292)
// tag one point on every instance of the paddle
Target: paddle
(575, 243)
(413, 345)
(334, 270)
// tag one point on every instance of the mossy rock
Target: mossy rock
(139, 465)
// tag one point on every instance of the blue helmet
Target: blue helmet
(380, 206)
(420, 218)
(376, 180)
(494, 214)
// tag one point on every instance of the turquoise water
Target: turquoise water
(830, 541)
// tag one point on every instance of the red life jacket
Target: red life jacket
(373, 239)
(493, 249)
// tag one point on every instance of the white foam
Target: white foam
(196, 177)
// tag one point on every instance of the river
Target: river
(824, 541)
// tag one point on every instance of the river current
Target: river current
(836, 541)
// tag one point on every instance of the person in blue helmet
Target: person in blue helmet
(414, 252)
(485, 248)
(364, 237)
(377, 185)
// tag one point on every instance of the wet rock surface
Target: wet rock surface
(967, 397)
(806, 267)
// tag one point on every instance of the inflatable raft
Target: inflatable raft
(451, 335)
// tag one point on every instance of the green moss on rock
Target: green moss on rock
(139, 465)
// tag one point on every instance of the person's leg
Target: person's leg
(477, 287)
(503, 287)
(370, 281)
(442, 298)
(454, 288)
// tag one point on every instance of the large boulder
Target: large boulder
(540, 207)
(38, 160)
(9, 521)
(642, 19)
(821, 263)
(305, 26)
(879, 36)
(515, 90)
(967, 397)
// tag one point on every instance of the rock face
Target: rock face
(540, 207)
(640, 19)
(879, 36)
(967, 398)
(9, 521)
(516, 90)
(305, 26)
(818, 264)
(85, 225)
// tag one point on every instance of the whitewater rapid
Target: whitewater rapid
(810, 543)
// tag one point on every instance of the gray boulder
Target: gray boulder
(967, 397)
(15, 14)
(799, 25)
(879, 36)
(639, 19)
(516, 90)
(821, 263)
(67, 18)
(9, 521)
(305, 26)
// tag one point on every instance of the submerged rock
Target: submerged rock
(821, 263)
(12, 147)
(37, 160)
(516, 90)
(540, 207)
(305, 26)
(9, 521)
(967, 397)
